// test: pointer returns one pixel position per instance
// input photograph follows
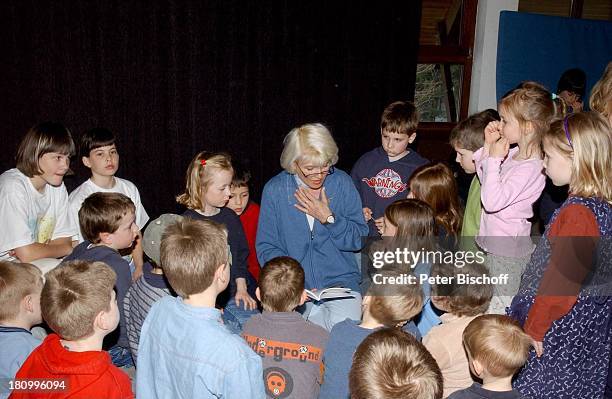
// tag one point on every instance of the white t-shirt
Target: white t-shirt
(27, 216)
(122, 186)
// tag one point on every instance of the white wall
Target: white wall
(482, 87)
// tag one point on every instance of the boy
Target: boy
(383, 306)
(381, 175)
(390, 364)
(108, 225)
(185, 351)
(99, 153)
(151, 286)
(466, 138)
(496, 347)
(248, 211)
(20, 288)
(78, 303)
(291, 347)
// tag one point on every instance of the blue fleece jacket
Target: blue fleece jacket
(326, 253)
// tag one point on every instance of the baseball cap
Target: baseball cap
(151, 239)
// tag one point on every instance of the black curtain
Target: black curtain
(171, 78)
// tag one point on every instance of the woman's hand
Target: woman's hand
(315, 207)
(243, 295)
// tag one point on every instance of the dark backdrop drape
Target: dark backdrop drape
(171, 78)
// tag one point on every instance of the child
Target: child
(390, 364)
(291, 347)
(601, 94)
(384, 305)
(79, 304)
(185, 351)
(151, 286)
(248, 211)
(512, 181)
(381, 175)
(466, 138)
(99, 153)
(20, 287)
(207, 191)
(463, 302)
(496, 347)
(108, 225)
(435, 185)
(560, 303)
(410, 223)
(571, 88)
(34, 201)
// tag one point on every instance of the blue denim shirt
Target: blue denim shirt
(186, 352)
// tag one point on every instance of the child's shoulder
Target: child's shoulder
(347, 326)
(373, 155)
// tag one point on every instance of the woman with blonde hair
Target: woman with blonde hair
(312, 213)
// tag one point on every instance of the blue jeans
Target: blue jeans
(120, 356)
(329, 312)
(235, 316)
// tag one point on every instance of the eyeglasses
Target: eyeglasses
(325, 171)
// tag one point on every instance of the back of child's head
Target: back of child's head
(573, 81)
(601, 94)
(102, 213)
(586, 138)
(281, 284)
(498, 343)
(41, 139)
(95, 138)
(415, 223)
(392, 364)
(532, 106)
(242, 176)
(461, 297)
(191, 252)
(74, 294)
(312, 142)
(400, 117)
(435, 184)
(17, 280)
(469, 133)
(394, 304)
(200, 174)
(152, 236)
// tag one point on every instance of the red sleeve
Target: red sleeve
(249, 220)
(573, 238)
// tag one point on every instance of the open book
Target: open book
(330, 293)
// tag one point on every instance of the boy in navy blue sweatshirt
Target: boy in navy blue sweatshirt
(381, 175)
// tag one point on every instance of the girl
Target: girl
(567, 315)
(435, 185)
(410, 223)
(512, 180)
(207, 190)
(34, 214)
(601, 95)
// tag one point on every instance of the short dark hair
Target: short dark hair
(281, 283)
(42, 139)
(102, 213)
(574, 81)
(400, 117)
(242, 175)
(95, 138)
(462, 299)
(469, 133)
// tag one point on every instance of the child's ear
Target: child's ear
(86, 162)
(220, 273)
(366, 300)
(106, 238)
(102, 321)
(303, 298)
(412, 137)
(478, 369)
(28, 303)
(258, 294)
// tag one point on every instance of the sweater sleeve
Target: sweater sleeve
(349, 226)
(496, 194)
(573, 238)
(238, 246)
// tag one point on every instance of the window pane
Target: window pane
(431, 98)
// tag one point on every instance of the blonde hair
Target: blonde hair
(41, 139)
(498, 343)
(17, 280)
(601, 94)
(311, 143)
(199, 176)
(531, 103)
(74, 294)
(394, 305)
(391, 364)
(281, 284)
(191, 252)
(590, 151)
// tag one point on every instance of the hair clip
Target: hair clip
(553, 96)
(203, 162)
(567, 134)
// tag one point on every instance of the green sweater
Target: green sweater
(473, 208)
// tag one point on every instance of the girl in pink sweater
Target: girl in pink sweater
(512, 180)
